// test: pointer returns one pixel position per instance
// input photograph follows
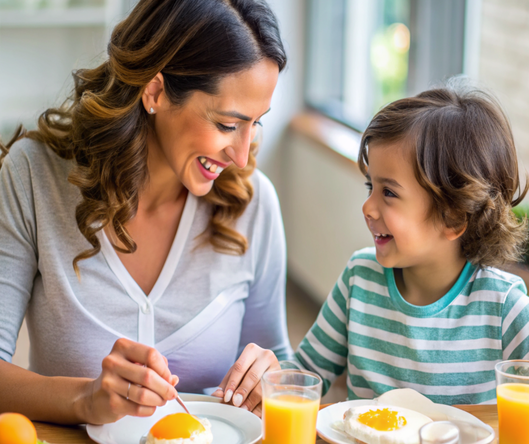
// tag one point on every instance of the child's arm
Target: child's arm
(515, 325)
(324, 348)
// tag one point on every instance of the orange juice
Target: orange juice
(290, 419)
(513, 413)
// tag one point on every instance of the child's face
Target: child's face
(397, 211)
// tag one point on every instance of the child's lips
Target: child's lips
(383, 239)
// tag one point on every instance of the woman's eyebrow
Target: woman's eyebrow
(238, 115)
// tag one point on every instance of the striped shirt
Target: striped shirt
(446, 350)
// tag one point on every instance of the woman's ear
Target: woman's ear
(153, 94)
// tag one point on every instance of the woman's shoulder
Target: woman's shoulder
(264, 190)
(33, 159)
(265, 197)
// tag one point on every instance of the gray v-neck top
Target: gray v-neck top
(203, 310)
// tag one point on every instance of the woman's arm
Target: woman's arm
(265, 321)
(82, 400)
(264, 337)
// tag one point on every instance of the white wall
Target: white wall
(288, 97)
(321, 198)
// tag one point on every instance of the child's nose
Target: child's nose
(370, 208)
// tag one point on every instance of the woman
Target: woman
(133, 227)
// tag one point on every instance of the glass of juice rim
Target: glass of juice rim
(293, 377)
(513, 370)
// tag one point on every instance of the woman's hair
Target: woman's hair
(104, 126)
(464, 157)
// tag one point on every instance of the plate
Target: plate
(229, 425)
(334, 413)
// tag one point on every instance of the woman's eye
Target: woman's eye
(225, 128)
(258, 122)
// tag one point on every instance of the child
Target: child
(426, 308)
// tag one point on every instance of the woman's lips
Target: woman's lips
(206, 173)
(212, 165)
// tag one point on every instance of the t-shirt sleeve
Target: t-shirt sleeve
(515, 324)
(324, 349)
(264, 321)
(18, 252)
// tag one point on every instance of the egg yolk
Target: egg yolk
(177, 425)
(16, 429)
(383, 420)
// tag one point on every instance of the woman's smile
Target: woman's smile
(208, 168)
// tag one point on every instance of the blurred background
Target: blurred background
(347, 58)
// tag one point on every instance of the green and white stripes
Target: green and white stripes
(446, 350)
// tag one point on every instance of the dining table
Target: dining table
(58, 434)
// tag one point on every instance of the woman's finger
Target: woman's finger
(258, 410)
(145, 377)
(138, 394)
(128, 407)
(238, 370)
(252, 378)
(254, 399)
(219, 393)
(143, 354)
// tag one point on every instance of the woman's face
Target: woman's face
(195, 142)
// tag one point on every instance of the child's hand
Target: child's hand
(249, 369)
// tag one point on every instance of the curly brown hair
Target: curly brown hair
(465, 158)
(103, 126)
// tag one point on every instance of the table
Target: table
(55, 434)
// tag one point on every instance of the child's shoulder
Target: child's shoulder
(364, 258)
(496, 280)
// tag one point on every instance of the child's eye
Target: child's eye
(226, 129)
(389, 193)
(369, 187)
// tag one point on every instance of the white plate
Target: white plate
(334, 413)
(229, 425)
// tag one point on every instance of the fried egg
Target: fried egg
(383, 424)
(180, 428)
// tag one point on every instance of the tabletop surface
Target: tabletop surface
(55, 434)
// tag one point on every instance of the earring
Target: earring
(151, 110)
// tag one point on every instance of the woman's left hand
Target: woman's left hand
(242, 383)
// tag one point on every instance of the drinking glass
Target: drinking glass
(291, 400)
(512, 391)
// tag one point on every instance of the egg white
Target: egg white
(205, 437)
(408, 434)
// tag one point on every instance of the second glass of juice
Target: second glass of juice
(291, 400)
(512, 392)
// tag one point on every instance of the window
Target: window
(363, 54)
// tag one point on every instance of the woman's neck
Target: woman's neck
(425, 284)
(163, 187)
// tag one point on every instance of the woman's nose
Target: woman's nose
(239, 150)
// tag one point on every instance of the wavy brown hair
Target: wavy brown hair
(465, 158)
(103, 126)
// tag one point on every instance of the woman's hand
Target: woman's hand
(242, 383)
(135, 380)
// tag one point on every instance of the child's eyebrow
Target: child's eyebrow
(385, 181)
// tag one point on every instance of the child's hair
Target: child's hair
(464, 157)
